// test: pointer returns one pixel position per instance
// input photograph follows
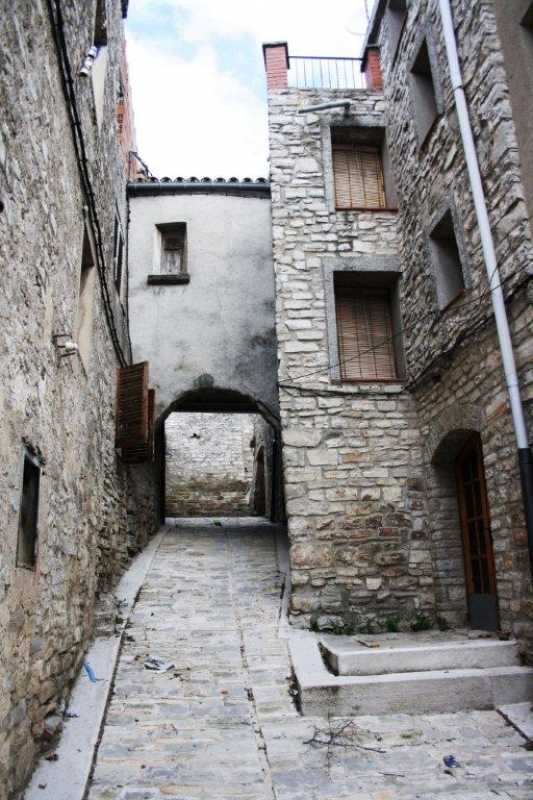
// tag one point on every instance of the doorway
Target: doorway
(480, 572)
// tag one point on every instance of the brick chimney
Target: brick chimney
(276, 56)
(373, 69)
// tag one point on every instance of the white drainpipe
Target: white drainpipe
(491, 264)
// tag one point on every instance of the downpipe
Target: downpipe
(525, 458)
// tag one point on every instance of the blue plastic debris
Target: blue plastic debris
(451, 762)
(90, 672)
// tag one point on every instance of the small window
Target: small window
(527, 20)
(84, 326)
(449, 276)
(361, 170)
(171, 257)
(99, 71)
(118, 256)
(396, 15)
(358, 176)
(173, 253)
(366, 333)
(29, 506)
(423, 93)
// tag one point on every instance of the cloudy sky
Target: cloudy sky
(198, 79)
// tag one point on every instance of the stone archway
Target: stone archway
(207, 400)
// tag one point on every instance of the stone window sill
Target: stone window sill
(168, 280)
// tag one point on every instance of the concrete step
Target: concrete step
(426, 692)
(349, 656)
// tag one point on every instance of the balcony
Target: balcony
(325, 72)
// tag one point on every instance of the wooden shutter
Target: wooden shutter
(132, 405)
(136, 454)
(364, 329)
(358, 176)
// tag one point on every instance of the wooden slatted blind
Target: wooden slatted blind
(364, 329)
(358, 176)
(136, 454)
(132, 406)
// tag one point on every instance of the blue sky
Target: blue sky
(198, 78)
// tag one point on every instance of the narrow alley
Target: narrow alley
(222, 723)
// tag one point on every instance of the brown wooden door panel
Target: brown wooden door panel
(478, 554)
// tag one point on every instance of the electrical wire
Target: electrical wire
(58, 32)
(408, 328)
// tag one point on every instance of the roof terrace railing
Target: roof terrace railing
(325, 72)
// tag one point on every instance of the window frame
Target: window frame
(393, 11)
(439, 220)
(86, 289)
(358, 131)
(158, 277)
(417, 81)
(371, 271)
(28, 539)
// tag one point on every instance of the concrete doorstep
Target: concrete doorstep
(428, 691)
(65, 777)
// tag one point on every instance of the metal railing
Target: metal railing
(325, 72)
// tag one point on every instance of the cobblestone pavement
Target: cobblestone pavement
(222, 724)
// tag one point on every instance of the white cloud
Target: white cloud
(191, 119)
(195, 110)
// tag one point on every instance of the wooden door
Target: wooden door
(480, 572)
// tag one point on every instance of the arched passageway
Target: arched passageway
(218, 454)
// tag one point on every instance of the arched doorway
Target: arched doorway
(480, 572)
(463, 562)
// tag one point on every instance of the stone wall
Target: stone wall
(453, 362)
(209, 465)
(352, 453)
(94, 513)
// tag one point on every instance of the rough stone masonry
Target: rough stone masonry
(93, 512)
(354, 483)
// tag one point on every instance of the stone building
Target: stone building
(73, 513)
(401, 468)
(202, 304)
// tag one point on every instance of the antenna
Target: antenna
(354, 22)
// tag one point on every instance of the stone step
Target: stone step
(348, 656)
(427, 692)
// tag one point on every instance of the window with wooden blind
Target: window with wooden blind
(365, 334)
(358, 176)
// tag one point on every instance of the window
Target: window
(118, 256)
(172, 253)
(396, 15)
(29, 505)
(527, 20)
(449, 277)
(171, 256)
(423, 93)
(361, 172)
(99, 70)
(366, 328)
(84, 325)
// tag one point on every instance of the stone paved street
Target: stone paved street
(222, 724)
